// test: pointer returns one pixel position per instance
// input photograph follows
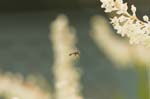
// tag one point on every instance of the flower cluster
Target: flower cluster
(128, 24)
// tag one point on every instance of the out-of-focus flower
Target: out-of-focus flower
(14, 87)
(101, 33)
(128, 24)
(66, 75)
(119, 51)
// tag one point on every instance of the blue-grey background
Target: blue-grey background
(25, 47)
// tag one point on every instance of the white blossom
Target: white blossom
(146, 18)
(128, 24)
(133, 9)
(109, 5)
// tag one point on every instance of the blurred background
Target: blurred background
(25, 46)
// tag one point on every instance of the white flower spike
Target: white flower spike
(128, 24)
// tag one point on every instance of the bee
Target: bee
(76, 53)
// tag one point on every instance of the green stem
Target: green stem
(143, 85)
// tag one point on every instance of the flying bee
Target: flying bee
(76, 53)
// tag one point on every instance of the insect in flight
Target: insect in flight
(76, 53)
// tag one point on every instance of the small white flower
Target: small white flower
(114, 20)
(108, 5)
(122, 9)
(146, 18)
(133, 9)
